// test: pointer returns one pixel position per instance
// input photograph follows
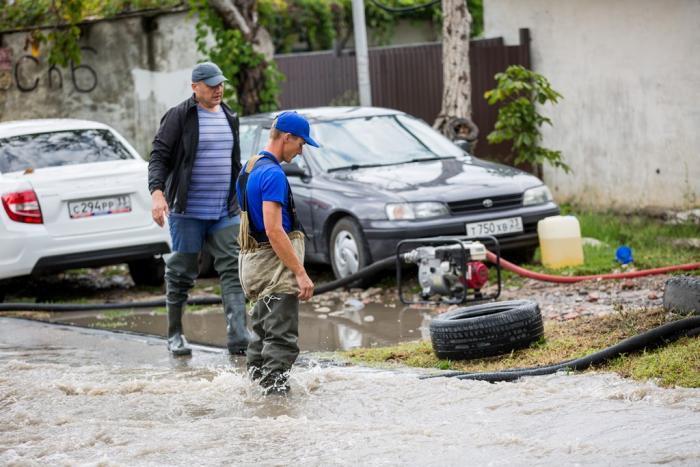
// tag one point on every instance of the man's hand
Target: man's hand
(306, 287)
(159, 208)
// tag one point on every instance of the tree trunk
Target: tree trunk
(243, 15)
(455, 118)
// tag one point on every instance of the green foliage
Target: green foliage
(62, 17)
(64, 41)
(235, 56)
(317, 23)
(24, 13)
(520, 90)
(298, 21)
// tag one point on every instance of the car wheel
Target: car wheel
(348, 249)
(148, 271)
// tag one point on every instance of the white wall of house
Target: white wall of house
(629, 71)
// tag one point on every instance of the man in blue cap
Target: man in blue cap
(195, 158)
(272, 254)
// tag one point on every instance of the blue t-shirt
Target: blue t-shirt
(266, 182)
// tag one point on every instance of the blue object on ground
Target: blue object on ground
(623, 254)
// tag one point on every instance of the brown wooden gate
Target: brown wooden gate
(408, 78)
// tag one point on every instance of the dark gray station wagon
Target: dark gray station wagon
(382, 176)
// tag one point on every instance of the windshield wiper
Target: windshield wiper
(428, 159)
(386, 164)
(355, 167)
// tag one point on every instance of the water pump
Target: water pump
(450, 269)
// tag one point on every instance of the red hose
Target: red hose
(569, 279)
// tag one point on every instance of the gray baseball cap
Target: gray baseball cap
(209, 73)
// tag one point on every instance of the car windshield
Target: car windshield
(59, 148)
(378, 140)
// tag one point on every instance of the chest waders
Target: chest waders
(274, 289)
(261, 271)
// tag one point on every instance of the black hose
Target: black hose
(361, 274)
(54, 307)
(661, 335)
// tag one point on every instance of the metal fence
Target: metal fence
(408, 78)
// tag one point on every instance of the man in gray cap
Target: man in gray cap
(194, 161)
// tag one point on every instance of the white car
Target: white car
(75, 194)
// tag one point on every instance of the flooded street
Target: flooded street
(81, 396)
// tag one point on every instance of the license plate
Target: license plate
(496, 227)
(99, 206)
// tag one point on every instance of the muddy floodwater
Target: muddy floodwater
(340, 328)
(72, 396)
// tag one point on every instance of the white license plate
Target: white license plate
(99, 206)
(496, 227)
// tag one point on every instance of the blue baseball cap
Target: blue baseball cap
(208, 72)
(292, 122)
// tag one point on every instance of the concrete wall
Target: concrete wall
(629, 70)
(127, 79)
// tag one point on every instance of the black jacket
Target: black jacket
(174, 150)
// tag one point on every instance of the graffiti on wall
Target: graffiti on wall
(26, 73)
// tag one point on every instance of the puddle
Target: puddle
(336, 328)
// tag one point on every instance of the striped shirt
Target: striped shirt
(207, 197)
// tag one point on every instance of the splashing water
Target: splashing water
(74, 396)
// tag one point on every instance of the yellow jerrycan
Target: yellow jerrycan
(560, 241)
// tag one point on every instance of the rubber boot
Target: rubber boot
(275, 383)
(177, 344)
(254, 372)
(236, 331)
(180, 273)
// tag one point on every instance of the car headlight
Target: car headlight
(424, 210)
(537, 195)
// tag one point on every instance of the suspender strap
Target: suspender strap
(243, 185)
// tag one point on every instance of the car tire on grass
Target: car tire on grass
(487, 329)
(348, 250)
(148, 271)
(682, 294)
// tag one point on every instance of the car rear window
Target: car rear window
(59, 148)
